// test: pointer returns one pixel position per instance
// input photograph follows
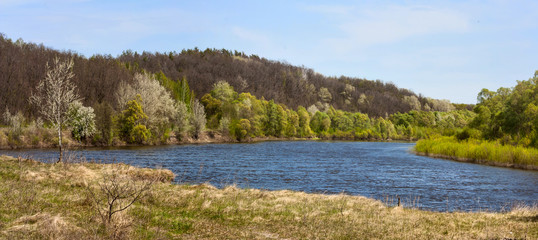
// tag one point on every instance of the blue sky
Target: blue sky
(441, 49)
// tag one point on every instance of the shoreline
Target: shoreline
(206, 138)
(477, 161)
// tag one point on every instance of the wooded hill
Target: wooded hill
(23, 65)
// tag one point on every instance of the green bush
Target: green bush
(139, 134)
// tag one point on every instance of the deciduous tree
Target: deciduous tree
(54, 94)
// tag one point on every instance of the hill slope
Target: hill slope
(22, 65)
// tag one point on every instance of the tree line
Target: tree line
(508, 115)
(152, 98)
(22, 66)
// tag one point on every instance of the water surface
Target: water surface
(380, 170)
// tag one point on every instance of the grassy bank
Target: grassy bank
(479, 151)
(44, 201)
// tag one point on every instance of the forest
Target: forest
(155, 98)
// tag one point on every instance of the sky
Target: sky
(440, 49)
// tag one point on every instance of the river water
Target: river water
(380, 170)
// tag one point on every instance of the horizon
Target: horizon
(443, 50)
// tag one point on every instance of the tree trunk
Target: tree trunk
(60, 143)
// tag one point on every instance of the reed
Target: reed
(479, 151)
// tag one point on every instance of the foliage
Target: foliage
(182, 124)
(198, 119)
(156, 101)
(180, 89)
(104, 123)
(480, 151)
(129, 122)
(509, 114)
(320, 122)
(82, 120)
(15, 123)
(226, 110)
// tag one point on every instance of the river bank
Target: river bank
(480, 152)
(478, 161)
(54, 201)
(45, 138)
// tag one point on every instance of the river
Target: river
(380, 170)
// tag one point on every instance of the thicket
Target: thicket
(509, 114)
(243, 116)
(504, 130)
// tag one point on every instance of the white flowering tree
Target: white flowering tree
(157, 102)
(54, 94)
(82, 120)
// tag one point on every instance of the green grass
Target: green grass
(50, 201)
(480, 151)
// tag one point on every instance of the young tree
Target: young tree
(198, 119)
(182, 119)
(54, 94)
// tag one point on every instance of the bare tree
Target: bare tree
(54, 94)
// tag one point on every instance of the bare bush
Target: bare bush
(113, 195)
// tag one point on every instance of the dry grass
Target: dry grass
(43, 201)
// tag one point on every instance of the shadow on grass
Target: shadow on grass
(526, 218)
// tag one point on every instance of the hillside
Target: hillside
(22, 65)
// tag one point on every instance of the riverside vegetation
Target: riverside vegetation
(126, 100)
(58, 201)
(504, 131)
(133, 99)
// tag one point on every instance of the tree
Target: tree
(104, 122)
(182, 119)
(413, 102)
(320, 122)
(325, 95)
(130, 121)
(156, 101)
(54, 94)
(223, 91)
(304, 122)
(274, 124)
(198, 120)
(82, 120)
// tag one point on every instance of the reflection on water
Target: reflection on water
(373, 169)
